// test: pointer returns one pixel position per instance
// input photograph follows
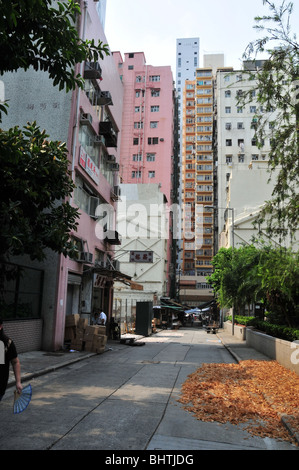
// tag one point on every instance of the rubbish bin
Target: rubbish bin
(144, 316)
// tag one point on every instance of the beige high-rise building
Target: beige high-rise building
(197, 188)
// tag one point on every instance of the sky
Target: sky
(152, 27)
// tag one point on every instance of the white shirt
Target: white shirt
(102, 316)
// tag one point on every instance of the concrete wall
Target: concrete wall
(284, 352)
(239, 331)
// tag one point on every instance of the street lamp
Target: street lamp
(233, 245)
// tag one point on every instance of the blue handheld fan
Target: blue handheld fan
(22, 399)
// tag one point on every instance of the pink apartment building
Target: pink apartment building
(146, 149)
(147, 142)
(90, 121)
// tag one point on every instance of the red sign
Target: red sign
(89, 166)
(141, 256)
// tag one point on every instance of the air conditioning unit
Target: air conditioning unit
(116, 265)
(86, 118)
(100, 264)
(92, 70)
(104, 97)
(86, 257)
(114, 166)
(117, 190)
(99, 139)
(115, 193)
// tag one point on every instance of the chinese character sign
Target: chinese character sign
(141, 256)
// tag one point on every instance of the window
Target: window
(138, 125)
(151, 174)
(228, 159)
(155, 109)
(239, 109)
(137, 109)
(240, 125)
(254, 157)
(155, 93)
(253, 109)
(135, 141)
(228, 126)
(131, 67)
(131, 55)
(154, 124)
(85, 198)
(153, 140)
(150, 157)
(228, 142)
(227, 93)
(227, 109)
(154, 78)
(241, 158)
(137, 157)
(136, 174)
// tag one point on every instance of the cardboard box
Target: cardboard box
(100, 350)
(99, 341)
(80, 333)
(102, 330)
(72, 320)
(77, 345)
(91, 330)
(70, 333)
(82, 323)
(87, 345)
(95, 330)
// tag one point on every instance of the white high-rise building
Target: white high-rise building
(187, 61)
(101, 9)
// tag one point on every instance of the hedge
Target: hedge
(278, 331)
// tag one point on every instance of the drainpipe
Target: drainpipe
(75, 128)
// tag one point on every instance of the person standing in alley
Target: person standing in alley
(8, 355)
(102, 318)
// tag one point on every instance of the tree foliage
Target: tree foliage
(258, 275)
(34, 182)
(35, 33)
(277, 91)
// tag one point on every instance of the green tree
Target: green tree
(34, 182)
(268, 275)
(35, 33)
(277, 91)
(278, 271)
(235, 279)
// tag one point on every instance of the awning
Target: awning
(118, 276)
(128, 282)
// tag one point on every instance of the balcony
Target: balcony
(103, 98)
(106, 129)
(92, 71)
